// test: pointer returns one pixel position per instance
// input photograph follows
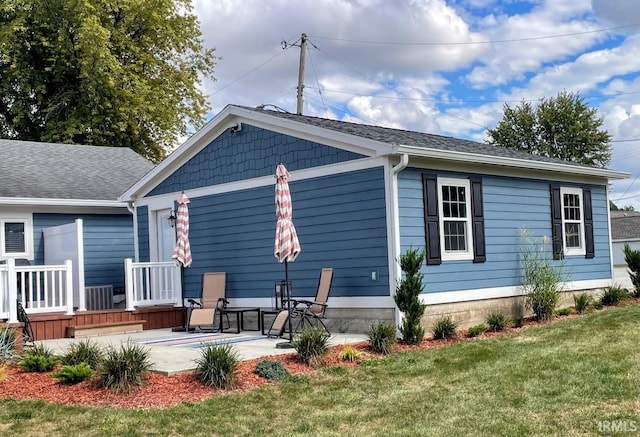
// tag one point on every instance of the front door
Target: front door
(166, 236)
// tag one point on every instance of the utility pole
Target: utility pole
(303, 53)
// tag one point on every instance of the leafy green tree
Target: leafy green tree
(561, 127)
(102, 72)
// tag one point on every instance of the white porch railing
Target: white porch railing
(152, 283)
(40, 289)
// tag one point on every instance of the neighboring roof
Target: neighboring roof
(364, 139)
(33, 170)
(625, 225)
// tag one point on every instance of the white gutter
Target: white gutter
(395, 273)
(13, 201)
(449, 155)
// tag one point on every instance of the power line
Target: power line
(450, 43)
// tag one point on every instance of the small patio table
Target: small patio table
(239, 313)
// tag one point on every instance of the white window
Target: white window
(16, 237)
(572, 221)
(454, 203)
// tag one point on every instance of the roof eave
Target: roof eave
(31, 201)
(508, 162)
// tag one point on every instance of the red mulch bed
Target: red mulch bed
(165, 391)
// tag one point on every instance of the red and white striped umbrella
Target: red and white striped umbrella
(287, 246)
(182, 251)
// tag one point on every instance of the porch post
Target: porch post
(128, 283)
(12, 282)
(68, 266)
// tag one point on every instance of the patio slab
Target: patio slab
(176, 352)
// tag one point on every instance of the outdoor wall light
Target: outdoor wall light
(172, 219)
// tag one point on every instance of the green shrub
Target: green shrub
(382, 336)
(7, 343)
(564, 311)
(632, 258)
(518, 322)
(84, 351)
(312, 345)
(581, 302)
(271, 369)
(407, 296)
(496, 320)
(612, 296)
(73, 374)
(217, 365)
(350, 353)
(124, 368)
(444, 327)
(476, 330)
(597, 305)
(38, 358)
(542, 277)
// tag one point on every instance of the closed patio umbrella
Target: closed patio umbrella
(287, 245)
(182, 251)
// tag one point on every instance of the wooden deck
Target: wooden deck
(54, 325)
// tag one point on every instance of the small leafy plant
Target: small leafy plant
(350, 353)
(73, 374)
(271, 369)
(84, 351)
(382, 336)
(217, 365)
(581, 302)
(564, 311)
(311, 345)
(444, 328)
(38, 358)
(124, 368)
(7, 343)
(518, 322)
(612, 296)
(476, 330)
(496, 320)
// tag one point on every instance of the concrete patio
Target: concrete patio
(175, 352)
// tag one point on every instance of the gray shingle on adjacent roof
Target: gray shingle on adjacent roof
(415, 139)
(625, 225)
(67, 171)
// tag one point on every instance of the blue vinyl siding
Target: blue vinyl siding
(108, 240)
(340, 221)
(250, 153)
(143, 233)
(509, 205)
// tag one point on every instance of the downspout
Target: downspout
(132, 209)
(396, 274)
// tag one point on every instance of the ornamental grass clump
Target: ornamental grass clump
(632, 258)
(496, 320)
(73, 374)
(38, 358)
(444, 328)
(350, 354)
(581, 302)
(7, 344)
(382, 337)
(611, 296)
(476, 330)
(84, 351)
(407, 296)
(312, 345)
(542, 277)
(217, 366)
(124, 368)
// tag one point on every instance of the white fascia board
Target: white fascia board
(448, 155)
(28, 201)
(232, 116)
(625, 240)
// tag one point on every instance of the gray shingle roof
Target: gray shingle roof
(65, 171)
(411, 138)
(625, 225)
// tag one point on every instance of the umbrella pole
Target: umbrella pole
(182, 328)
(286, 279)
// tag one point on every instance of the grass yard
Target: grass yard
(575, 377)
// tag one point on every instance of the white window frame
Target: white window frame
(455, 255)
(27, 220)
(570, 251)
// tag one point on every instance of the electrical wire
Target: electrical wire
(315, 75)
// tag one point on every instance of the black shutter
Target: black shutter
(431, 220)
(477, 221)
(588, 224)
(556, 222)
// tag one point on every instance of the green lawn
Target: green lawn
(564, 379)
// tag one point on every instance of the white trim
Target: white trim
(610, 239)
(623, 240)
(498, 292)
(27, 220)
(573, 251)
(449, 155)
(16, 201)
(455, 255)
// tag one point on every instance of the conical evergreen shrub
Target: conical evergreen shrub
(407, 296)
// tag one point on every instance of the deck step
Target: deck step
(83, 331)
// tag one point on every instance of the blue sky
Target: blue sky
(443, 67)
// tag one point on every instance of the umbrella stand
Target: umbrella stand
(182, 328)
(287, 344)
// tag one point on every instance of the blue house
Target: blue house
(60, 202)
(362, 195)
